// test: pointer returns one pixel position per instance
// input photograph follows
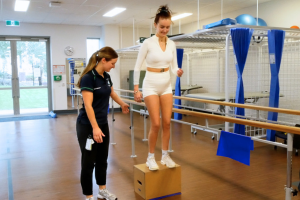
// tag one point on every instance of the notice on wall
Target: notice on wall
(59, 69)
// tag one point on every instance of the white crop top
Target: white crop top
(155, 57)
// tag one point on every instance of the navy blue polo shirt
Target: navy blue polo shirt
(101, 89)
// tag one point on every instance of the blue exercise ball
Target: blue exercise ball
(246, 19)
(261, 22)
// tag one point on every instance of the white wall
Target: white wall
(126, 35)
(110, 37)
(60, 37)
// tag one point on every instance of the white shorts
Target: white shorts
(157, 83)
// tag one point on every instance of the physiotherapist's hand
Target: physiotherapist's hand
(138, 97)
(97, 135)
(125, 108)
(179, 72)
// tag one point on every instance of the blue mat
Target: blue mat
(10, 119)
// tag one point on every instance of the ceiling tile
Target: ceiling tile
(56, 17)
(99, 3)
(88, 10)
(65, 9)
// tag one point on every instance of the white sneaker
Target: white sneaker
(167, 160)
(91, 198)
(105, 194)
(151, 163)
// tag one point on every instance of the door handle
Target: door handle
(18, 87)
(15, 87)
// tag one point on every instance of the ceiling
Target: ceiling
(89, 12)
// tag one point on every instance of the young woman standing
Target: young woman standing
(160, 55)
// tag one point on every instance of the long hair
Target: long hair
(163, 12)
(106, 52)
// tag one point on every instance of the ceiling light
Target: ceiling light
(181, 16)
(21, 5)
(114, 12)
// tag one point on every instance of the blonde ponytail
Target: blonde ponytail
(106, 52)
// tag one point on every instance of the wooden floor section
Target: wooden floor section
(40, 159)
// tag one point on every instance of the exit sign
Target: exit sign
(12, 23)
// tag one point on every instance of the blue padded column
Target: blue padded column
(178, 116)
(241, 38)
(72, 68)
(276, 43)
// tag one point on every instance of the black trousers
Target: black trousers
(97, 158)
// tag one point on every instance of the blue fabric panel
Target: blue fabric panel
(276, 43)
(166, 196)
(241, 38)
(235, 146)
(178, 116)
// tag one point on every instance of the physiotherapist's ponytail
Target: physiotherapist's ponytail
(106, 52)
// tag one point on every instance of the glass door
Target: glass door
(6, 99)
(23, 76)
(33, 76)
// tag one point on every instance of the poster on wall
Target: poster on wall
(59, 69)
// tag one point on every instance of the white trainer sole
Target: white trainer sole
(163, 163)
(152, 169)
(101, 197)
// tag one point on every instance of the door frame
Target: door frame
(15, 87)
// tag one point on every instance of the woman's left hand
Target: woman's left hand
(179, 72)
(125, 108)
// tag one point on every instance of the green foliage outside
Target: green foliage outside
(32, 52)
(29, 98)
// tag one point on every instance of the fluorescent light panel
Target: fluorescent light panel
(21, 5)
(114, 12)
(181, 16)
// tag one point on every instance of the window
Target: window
(92, 45)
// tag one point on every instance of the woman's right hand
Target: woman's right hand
(97, 135)
(138, 97)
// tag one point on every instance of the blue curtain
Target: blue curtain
(178, 116)
(276, 43)
(241, 38)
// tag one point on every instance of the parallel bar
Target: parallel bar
(269, 142)
(271, 126)
(198, 15)
(264, 108)
(145, 124)
(170, 140)
(132, 132)
(196, 126)
(289, 188)
(234, 115)
(271, 109)
(121, 90)
(112, 135)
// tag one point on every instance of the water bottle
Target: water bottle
(52, 114)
